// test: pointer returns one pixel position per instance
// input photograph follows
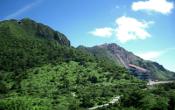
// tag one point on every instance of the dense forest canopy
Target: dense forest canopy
(40, 70)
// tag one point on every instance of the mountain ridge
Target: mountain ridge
(33, 28)
(27, 29)
(125, 58)
(40, 72)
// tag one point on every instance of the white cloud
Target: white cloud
(161, 6)
(23, 10)
(153, 55)
(131, 29)
(102, 32)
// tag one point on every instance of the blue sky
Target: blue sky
(145, 27)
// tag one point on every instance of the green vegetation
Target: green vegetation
(161, 97)
(39, 70)
(121, 57)
(158, 71)
(102, 54)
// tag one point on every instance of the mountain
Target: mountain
(29, 28)
(127, 59)
(39, 69)
(26, 43)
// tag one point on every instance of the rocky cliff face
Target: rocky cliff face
(120, 53)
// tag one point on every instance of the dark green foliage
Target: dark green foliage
(171, 101)
(40, 71)
(25, 103)
(86, 84)
(149, 99)
(22, 48)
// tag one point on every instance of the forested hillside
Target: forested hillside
(40, 70)
(124, 58)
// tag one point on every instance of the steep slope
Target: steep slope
(101, 54)
(39, 70)
(26, 43)
(29, 28)
(130, 61)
